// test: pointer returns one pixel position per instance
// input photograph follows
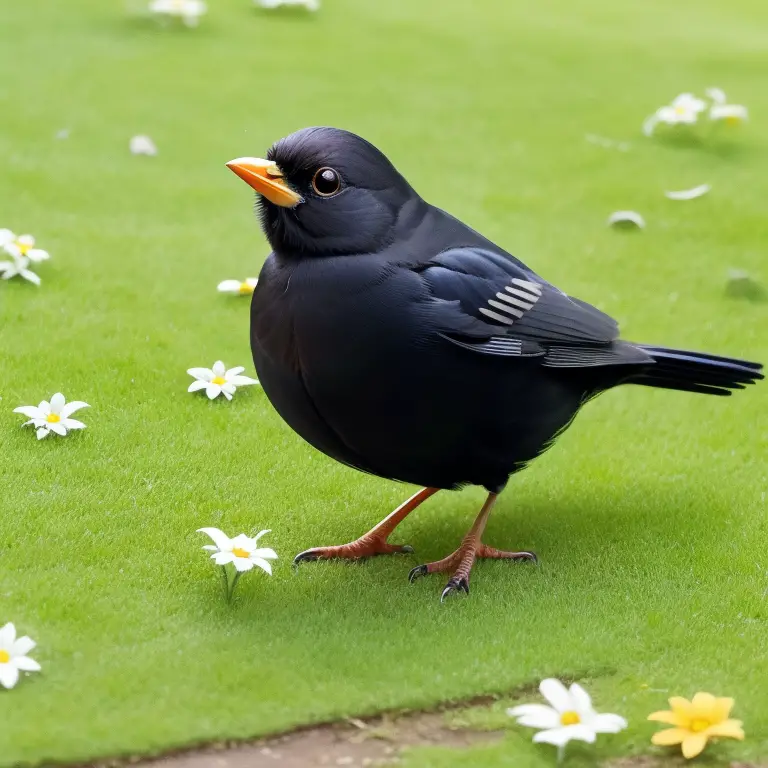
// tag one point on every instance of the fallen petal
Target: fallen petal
(143, 145)
(626, 220)
(689, 194)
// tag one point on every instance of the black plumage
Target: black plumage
(397, 340)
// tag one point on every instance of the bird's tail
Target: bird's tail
(696, 371)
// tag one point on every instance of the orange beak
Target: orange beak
(267, 179)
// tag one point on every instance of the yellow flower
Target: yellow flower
(695, 722)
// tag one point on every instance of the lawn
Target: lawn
(649, 517)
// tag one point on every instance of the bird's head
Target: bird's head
(326, 191)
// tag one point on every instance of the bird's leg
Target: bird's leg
(459, 563)
(375, 541)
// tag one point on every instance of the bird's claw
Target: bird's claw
(455, 585)
(406, 549)
(419, 570)
(307, 556)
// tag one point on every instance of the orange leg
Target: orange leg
(375, 541)
(459, 563)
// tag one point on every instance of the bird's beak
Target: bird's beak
(267, 179)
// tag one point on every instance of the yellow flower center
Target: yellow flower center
(218, 380)
(24, 248)
(5, 657)
(245, 288)
(239, 552)
(52, 418)
(699, 725)
(680, 110)
(732, 120)
(570, 718)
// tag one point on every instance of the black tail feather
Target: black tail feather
(696, 372)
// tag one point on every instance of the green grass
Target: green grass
(650, 516)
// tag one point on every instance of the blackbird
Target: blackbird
(397, 340)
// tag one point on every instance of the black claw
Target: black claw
(419, 570)
(457, 585)
(529, 557)
(407, 549)
(305, 557)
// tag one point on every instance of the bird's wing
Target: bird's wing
(522, 315)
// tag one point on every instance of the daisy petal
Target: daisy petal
(233, 372)
(669, 737)
(219, 538)
(722, 708)
(561, 736)
(607, 723)
(70, 408)
(197, 385)
(581, 700)
(222, 558)
(25, 664)
(72, 424)
(729, 729)
(30, 411)
(556, 694)
(265, 553)
(57, 403)
(263, 564)
(37, 255)
(43, 432)
(9, 675)
(243, 564)
(58, 428)
(260, 534)
(30, 276)
(7, 636)
(535, 716)
(241, 541)
(23, 646)
(668, 717)
(229, 286)
(204, 374)
(242, 381)
(213, 391)
(227, 393)
(219, 369)
(693, 744)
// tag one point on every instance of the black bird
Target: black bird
(397, 340)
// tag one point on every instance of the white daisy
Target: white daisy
(684, 110)
(52, 417)
(310, 5)
(142, 145)
(237, 287)
(13, 656)
(18, 266)
(218, 380)
(242, 551)
(189, 11)
(21, 246)
(728, 114)
(569, 716)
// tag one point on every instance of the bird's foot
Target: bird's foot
(459, 564)
(366, 546)
(375, 541)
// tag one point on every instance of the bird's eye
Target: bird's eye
(326, 182)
